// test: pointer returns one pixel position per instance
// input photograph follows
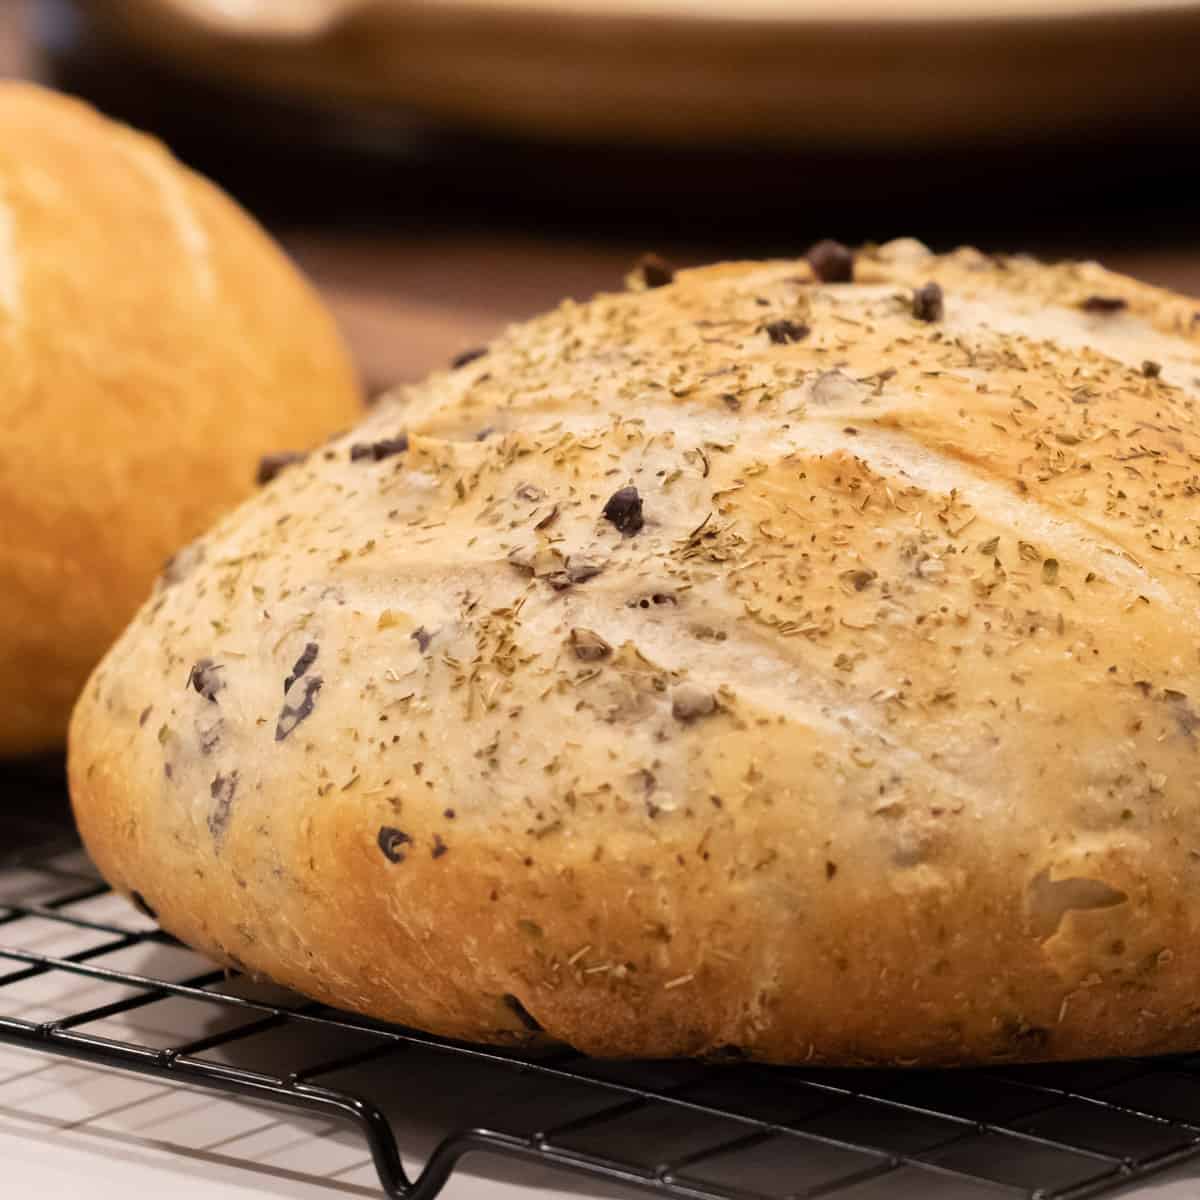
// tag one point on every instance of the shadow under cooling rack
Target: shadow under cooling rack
(85, 977)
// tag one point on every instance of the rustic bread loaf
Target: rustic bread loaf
(153, 343)
(755, 660)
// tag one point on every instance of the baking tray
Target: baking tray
(85, 977)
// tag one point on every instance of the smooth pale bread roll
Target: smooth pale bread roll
(153, 344)
(797, 659)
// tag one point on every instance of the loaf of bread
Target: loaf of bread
(153, 344)
(794, 659)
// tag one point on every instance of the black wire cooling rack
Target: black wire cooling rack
(683, 1129)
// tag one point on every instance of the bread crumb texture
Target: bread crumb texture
(750, 661)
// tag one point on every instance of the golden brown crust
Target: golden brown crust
(153, 343)
(869, 735)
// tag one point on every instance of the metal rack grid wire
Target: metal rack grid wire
(686, 1129)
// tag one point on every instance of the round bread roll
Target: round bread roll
(153, 344)
(763, 662)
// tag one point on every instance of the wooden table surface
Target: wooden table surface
(412, 293)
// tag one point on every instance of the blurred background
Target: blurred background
(441, 167)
